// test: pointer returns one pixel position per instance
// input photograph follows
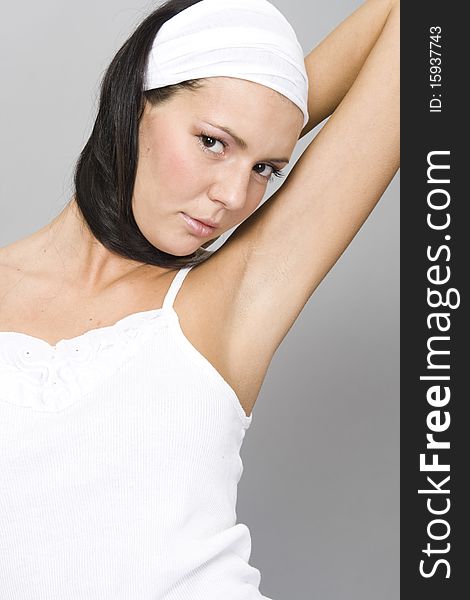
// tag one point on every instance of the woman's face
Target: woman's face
(184, 172)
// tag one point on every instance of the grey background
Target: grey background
(320, 488)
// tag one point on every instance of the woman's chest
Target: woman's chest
(57, 324)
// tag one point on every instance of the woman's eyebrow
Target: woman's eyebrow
(241, 142)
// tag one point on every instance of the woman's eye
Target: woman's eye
(273, 172)
(209, 143)
(265, 170)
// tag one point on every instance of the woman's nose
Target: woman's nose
(231, 190)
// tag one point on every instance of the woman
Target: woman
(129, 393)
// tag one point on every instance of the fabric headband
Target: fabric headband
(245, 39)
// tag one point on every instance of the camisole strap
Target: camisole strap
(174, 287)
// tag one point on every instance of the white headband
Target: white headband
(245, 39)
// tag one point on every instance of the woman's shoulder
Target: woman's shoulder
(17, 252)
(13, 269)
(212, 306)
(10, 263)
(14, 260)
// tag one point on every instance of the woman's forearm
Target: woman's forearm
(334, 64)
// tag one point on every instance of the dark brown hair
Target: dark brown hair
(105, 171)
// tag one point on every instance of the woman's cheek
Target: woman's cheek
(183, 169)
(180, 168)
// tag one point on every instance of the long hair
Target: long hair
(106, 169)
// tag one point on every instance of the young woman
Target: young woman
(124, 394)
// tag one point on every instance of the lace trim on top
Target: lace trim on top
(37, 375)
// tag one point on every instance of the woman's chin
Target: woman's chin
(178, 249)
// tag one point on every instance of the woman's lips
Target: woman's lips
(197, 227)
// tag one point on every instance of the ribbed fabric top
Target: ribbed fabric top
(119, 465)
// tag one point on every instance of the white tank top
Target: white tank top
(119, 465)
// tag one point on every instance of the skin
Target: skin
(178, 172)
(236, 307)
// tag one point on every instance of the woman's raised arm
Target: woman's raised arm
(334, 64)
(281, 253)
